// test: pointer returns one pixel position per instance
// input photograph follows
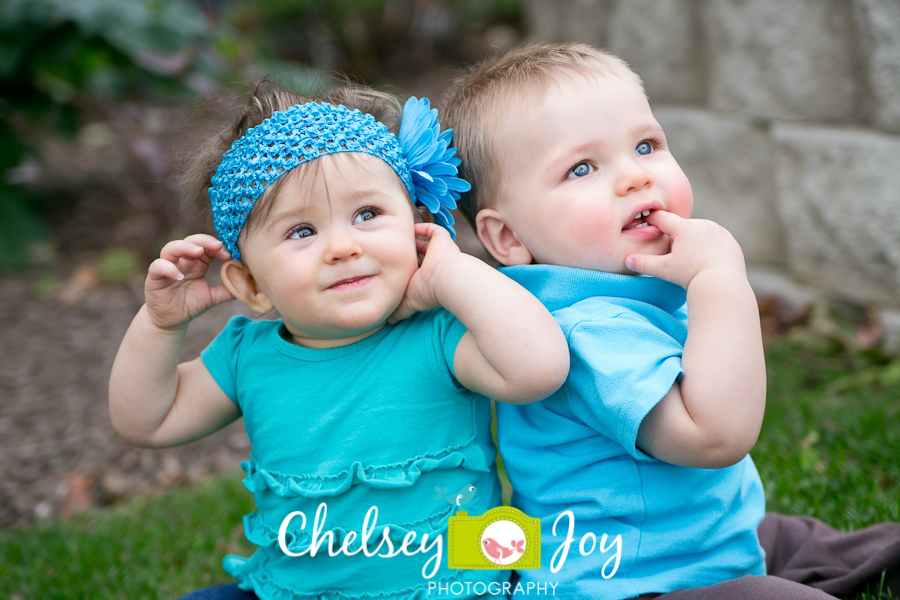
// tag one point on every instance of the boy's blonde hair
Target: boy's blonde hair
(476, 100)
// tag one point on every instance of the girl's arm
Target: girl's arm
(712, 418)
(154, 401)
(513, 350)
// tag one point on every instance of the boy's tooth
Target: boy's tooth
(637, 216)
(645, 213)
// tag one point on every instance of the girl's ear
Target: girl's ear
(500, 240)
(424, 215)
(240, 282)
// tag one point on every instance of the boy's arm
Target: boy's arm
(154, 401)
(513, 351)
(712, 418)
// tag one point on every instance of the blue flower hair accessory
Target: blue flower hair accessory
(420, 156)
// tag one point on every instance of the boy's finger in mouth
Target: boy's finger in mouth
(639, 226)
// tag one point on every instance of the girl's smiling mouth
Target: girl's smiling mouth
(351, 283)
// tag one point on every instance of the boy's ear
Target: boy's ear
(499, 239)
(240, 282)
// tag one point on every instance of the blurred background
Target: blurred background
(785, 115)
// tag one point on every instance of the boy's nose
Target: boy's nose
(632, 177)
(341, 246)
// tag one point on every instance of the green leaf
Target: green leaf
(118, 264)
(19, 229)
(891, 374)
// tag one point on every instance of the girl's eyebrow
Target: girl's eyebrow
(289, 215)
(298, 213)
(369, 192)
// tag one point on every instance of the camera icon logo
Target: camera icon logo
(501, 538)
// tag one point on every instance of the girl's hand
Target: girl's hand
(421, 292)
(697, 245)
(176, 289)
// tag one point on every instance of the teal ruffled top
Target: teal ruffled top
(382, 422)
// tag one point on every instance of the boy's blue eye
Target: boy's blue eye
(365, 214)
(303, 231)
(580, 170)
(644, 148)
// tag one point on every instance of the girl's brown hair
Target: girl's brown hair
(263, 101)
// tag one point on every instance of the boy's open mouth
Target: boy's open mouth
(638, 221)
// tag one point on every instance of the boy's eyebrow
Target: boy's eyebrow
(570, 154)
(565, 158)
(649, 127)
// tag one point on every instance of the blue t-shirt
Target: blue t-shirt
(575, 451)
(382, 422)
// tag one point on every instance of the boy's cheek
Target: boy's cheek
(681, 200)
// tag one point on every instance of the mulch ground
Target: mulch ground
(59, 453)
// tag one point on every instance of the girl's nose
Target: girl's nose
(341, 246)
(632, 177)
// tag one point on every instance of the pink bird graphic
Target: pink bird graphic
(493, 549)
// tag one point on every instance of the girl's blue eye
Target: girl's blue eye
(365, 214)
(580, 170)
(303, 231)
(644, 148)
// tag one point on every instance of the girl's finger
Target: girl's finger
(163, 269)
(181, 248)
(430, 230)
(212, 246)
(220, 294)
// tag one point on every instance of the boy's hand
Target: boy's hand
(421, 293)
(697, 245)
(176, 289)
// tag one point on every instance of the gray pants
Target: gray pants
(808, 560)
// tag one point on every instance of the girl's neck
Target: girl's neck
(298, 339)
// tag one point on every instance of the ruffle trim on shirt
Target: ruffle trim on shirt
(403, 474)
(252, 576)
(298, 540)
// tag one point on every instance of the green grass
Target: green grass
(828, 448)
(831, 436)
(158, 547)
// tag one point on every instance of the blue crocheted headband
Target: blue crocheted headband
(419, 155)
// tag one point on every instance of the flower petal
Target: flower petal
(432, 162)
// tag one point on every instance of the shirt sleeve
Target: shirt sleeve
(446, 331)
(621, 367)
(221, 356)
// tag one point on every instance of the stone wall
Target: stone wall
(785, 115)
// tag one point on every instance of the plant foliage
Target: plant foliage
(54, 54)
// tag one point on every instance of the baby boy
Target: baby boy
(641, 459)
